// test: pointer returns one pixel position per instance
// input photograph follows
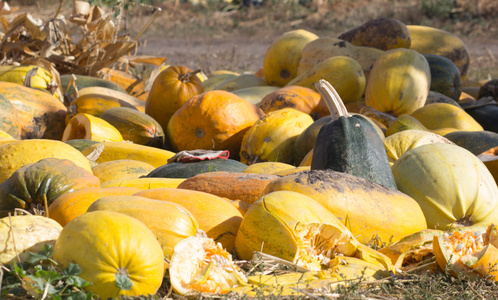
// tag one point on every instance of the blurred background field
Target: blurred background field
(234, 35)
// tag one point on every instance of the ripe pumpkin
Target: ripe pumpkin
(40, 114)
(399, 82)
(391, 214)
(380, 33)
(47, 179)
(70, 205)
(199, 265)
(294, 227)
(272, 137)
(135, 126)
(280, 69)
(111, 249)
(451, 185)
(22, 234)
(216, 216)
(247, 187)
(301, 98)
(170, 222)
(170, 90)
(214, 120)
(19, 153)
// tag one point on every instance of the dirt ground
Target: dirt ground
(214, 39)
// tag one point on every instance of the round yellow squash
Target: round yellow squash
(399, 82)
(116, 252)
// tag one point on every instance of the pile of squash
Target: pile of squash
(357, 156)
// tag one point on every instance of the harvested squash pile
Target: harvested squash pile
(362, 157)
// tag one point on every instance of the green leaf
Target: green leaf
(77, 281)
(72, 270)
(123, 282)
(49, 276)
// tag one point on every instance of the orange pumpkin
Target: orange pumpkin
(214, 120)
(298, 97)
(170, 90)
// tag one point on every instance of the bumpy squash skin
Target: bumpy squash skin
(343, 72)
(105, 244)
(49, 177)
(399, 82)
(452, 186)
(280, 69)
(381, 33)
(429, 40)
(391, 214)
(352, 145)
(247, 187)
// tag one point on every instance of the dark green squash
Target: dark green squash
(489, 89)
(445, 76)
(486, 115)
(350, 144)
(189, 169)
(475, 141)
(48, 178)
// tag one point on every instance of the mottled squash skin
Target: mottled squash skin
(381, 33)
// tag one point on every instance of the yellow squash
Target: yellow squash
(111, 249)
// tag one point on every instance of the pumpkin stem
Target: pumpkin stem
(186, 77)
(332, 99)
